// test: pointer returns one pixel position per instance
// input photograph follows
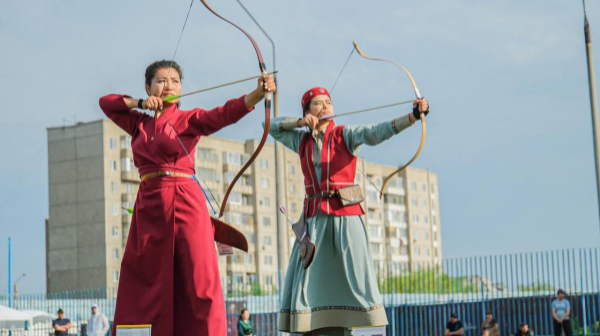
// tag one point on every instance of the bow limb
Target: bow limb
(263, 69)
(423, 127)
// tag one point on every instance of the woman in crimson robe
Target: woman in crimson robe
(169, 274)
(339, 289)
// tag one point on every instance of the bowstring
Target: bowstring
(330, 91)
(173, 129)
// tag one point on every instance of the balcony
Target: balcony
(126, 153)
(212, 165)
(243, 189)
(395, 191)
(395, 207)
(130, 176)
(228, 167)
(248, 209)
(399, 258)
(130, 198)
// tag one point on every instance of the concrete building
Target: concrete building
(91, 176)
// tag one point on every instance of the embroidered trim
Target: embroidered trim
(359, 309)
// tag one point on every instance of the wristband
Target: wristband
(140, 103)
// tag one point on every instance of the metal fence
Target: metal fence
(418, 298)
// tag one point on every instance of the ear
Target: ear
(147, 89)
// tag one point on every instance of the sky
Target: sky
(509, 133)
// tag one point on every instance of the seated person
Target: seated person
(489, 327)
(524, 330)
(454, 327)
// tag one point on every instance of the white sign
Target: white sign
(134, 330)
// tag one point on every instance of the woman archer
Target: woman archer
(169, 273)
(339, 289)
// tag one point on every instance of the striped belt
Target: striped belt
(324, 194)
(149, 176)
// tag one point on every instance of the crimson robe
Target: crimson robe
(169, 273)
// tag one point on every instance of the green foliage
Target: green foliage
(537, 287)
(431, 281)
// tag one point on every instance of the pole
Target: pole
(593, 99)
(282, 228)
(9, 272)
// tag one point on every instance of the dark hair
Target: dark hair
(164, 64)
(306, 107)
(243, 311)
(524, 324)
(489, 312)
(60, 311)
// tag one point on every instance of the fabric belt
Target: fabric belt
(324, 194)
(149, 176)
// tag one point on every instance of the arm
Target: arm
(283, 129)
(459, 332)
(240, 329)
(118, 108)
(68, 325)
(372, 135)
(447, 332)
(206, 122)
(554, 315)
(106, 325)
(567, 313)
(58, 328)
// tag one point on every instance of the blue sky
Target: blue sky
(509, 134)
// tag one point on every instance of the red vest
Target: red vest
(338, 170)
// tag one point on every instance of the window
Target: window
(433, 220)
(358, 178)
(115, 209)
(425, 204)
(264, 164)
(232, 158)
(266, 202)
(416, 218)
(433, 204)
(113, 165)
(292, 169)
(416, 235)
(268, 260)
(292, 188)
(426, 219)
(267, 240)
(264, 183)
(204, 174)
(116, 253)
(404, 250)
(376, 231)
(126, 164)
(377, 248)
(372, 196)
(114, 187)
(115, 231)
(266, 221)
(413, 186)
(248, 258)
(417, 251)
(415, 202)
(432, 189)
(371, 213)
(207, 154)
(403, 233)
(126, 142)
(269, 280)
(395, 216)
(427, 236)
(235, 198)
(435, 238)
(428, 252)
(129, 187)
(115, 276)
(424, 188)
(294, 207)
(112, 143)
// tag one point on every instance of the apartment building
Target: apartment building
(92, 176)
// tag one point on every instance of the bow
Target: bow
(423, 127)
(263, 69)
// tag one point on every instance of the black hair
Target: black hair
(60, 311)
(164, 64)
(243, 311)
(306, 107)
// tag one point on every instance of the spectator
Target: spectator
(489, 327)
(97, 323)
(61, 324)
(561, 310)
(454, 327)
(244, 324)
(524, 330)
